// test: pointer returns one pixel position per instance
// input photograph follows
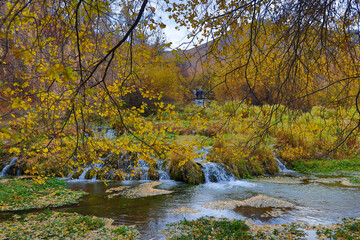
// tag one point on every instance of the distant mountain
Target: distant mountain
(190, 60)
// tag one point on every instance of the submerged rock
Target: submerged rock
(144, 190)
(221, 205)
(263, 201)
(182, 210)
(266, 207)
(116, 191)
(260, 201)
(277, 179)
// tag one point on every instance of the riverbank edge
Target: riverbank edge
(218, 228)
(25, 194)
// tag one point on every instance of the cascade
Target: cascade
(163, 174)
(86, 169)
(82, 176)
(282, 167)
(142, 171)
(13, 161)
(214, 172)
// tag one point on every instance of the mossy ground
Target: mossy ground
(25, 194)
(56, 225)
(213, 228)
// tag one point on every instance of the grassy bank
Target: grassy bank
(24, 194)
(55, 225)
(212, 228)
(327, 166)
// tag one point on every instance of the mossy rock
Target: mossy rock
(190, 173)
(116, 176)
(77, 174)
(104, 173)
(262, 161)
(153, 172)
(108, 173)
(64, 172)
(90, 174)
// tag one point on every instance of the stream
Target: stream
(316, 203)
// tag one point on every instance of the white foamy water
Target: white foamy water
(4, 173)
(230, 184)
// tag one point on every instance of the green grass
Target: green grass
(56, 225)
(327, 165)
(355, 180)
(24, 194)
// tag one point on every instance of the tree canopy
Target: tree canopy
(68, 66)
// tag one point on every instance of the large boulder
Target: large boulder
(190, 172)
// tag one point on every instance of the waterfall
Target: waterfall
(143, 170)
(214, 172)
(82, 176)
(86, 169)
(163, 174)
(13, 161)
(106, 132)
(282, 167)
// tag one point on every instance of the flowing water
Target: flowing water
(282, 167)
(316, 203)
(214, 172)
(5, 170)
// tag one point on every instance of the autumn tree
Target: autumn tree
(69, 65)
(294, 53)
